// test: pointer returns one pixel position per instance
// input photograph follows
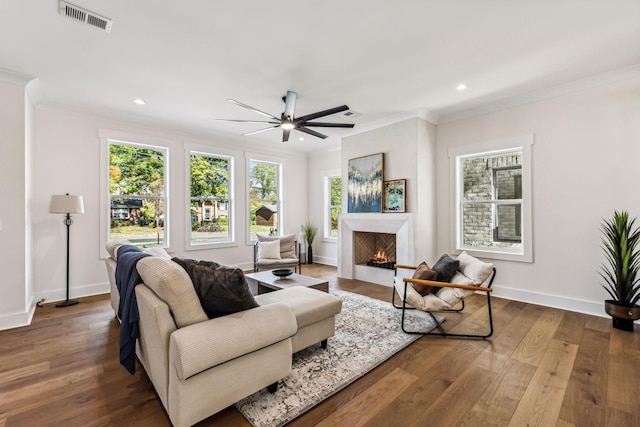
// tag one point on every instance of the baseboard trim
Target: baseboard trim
(555, 301)
(76, 292)
(17, 320)
(326, 260)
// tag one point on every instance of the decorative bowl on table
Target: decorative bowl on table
(282, 273)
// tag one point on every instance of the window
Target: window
(492, 194)
(333, 205)
(209, 198)
(137, 196)
(264, 198)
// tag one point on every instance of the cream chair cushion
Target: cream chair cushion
(474, 269)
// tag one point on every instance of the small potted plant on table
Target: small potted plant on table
(310, 232)
(620, 243)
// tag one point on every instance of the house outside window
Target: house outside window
(264, 197)
(137, 193)
(492, 193)
(333, 206)
(210, 188)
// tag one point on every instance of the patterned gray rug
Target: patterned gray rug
(367, 333)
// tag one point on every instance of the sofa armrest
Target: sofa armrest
(201, 346)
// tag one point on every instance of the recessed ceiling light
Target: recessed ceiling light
(301, 138)
(139, 101)
(461, 87)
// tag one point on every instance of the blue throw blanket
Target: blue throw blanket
(127, 278)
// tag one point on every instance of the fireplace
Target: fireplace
(354, 266)
(374, 249)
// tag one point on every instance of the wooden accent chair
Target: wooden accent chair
(412, 300)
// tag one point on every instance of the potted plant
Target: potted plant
(310, 232)
(620, 244)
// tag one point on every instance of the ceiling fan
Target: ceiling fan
(288, 121)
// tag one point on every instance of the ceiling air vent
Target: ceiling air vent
(82, 15)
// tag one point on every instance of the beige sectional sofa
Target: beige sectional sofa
(200, 366)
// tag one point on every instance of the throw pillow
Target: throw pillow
(287, 244)
(424, 272)
(445, 268)
(172, 284)
(474, 269)
(157, 251)
(221, 290)
(269, 250)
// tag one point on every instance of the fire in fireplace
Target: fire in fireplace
(381, 260)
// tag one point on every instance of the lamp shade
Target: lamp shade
(66, 204)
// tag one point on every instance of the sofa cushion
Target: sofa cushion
(269, 250)
(221, 290)
(453, 295)
(474, 269)
(172, 284)
(287, 243)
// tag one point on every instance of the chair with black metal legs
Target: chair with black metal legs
(410, 300)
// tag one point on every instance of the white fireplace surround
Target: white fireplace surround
(393, 223)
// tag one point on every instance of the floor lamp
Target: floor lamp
(67, 205)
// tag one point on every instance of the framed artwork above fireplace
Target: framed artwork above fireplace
(365, 183)
(395, 199)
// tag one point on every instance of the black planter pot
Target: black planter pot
(622, 316)
(309, 255)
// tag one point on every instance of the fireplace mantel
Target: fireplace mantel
(400, 224)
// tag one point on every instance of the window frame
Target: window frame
(191, 149)
(327, 206)
(456, 157)
(260, 158)
(108, 137)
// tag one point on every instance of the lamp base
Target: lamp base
(67, 303)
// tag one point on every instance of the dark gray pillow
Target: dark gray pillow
(222, 290)
(445, 268)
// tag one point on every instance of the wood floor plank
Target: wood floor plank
(501, 398)
(541, 402)
(533, 346)
(623, 382)
(365, 407)
(584, 402)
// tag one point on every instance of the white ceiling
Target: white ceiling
(386, 60)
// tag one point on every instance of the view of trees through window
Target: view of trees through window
(209, 207)
(137, 194)
(334, 205)
(264, 198)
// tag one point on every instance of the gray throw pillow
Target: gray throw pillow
(222, 290)
(445, 268)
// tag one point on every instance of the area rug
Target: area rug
(367, 333)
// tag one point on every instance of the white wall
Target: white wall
(584, 160)
(66, 160)
(320, 165)
(409, 153)
(16, 304)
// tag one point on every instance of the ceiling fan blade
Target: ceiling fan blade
(312, 132)
(289, 105)
(321, 113)
(285, 134)
(329, 125)
(249, 121)
(261, 130)
(233, 101)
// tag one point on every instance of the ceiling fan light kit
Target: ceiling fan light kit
(288, 121)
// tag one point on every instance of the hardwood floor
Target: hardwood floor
(542, 367)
